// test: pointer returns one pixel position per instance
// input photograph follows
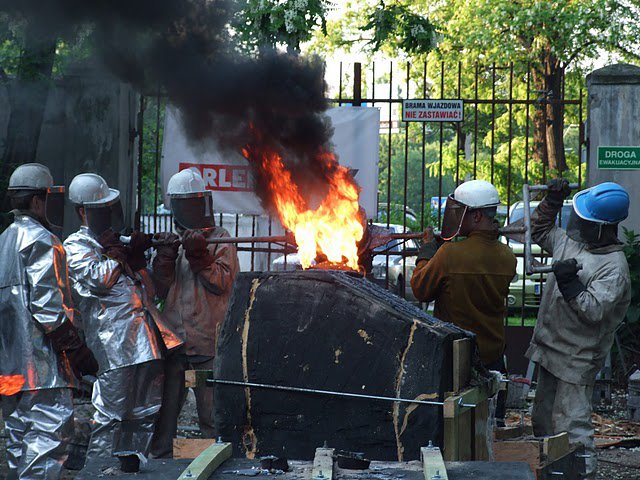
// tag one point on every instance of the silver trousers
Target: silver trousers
(127, 401)
(565, 407)
(174, 396)
(39, 425)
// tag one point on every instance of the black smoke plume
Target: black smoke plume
(185, 49)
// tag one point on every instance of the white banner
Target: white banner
(356, 140)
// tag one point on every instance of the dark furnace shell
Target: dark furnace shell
(335, 331)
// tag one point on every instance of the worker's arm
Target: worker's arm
(46, 274)
(215, 265)
(163, 266)
(599, 299)
(429, 275)
(543, 220)
(218, 276)
(95, 271)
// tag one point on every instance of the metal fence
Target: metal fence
(419, 162)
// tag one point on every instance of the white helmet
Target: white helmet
(191, 202)
(30, 176)
(89, 188)
(185, 182)
(477, 194)
(101, 204)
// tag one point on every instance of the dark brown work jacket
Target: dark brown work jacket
(469, 281)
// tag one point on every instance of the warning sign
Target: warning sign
(619, 158)
(431, 110)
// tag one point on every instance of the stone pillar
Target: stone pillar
(614, 120)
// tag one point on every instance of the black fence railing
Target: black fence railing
(419, 163)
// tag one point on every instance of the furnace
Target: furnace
(330, 331)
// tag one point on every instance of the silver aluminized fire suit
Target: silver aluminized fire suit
(35, 299)
(120, 329)
(195, 306)
(571, 339)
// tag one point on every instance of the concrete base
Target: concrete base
(232, 470)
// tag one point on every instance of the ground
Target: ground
(615, 463)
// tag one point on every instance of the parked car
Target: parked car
(527, 289)
(398, 275)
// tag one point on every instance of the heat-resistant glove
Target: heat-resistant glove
(164, 263)
(167, 245)
(558, 190)
(140, 242)
(566, 272)
(196, 251)
(112, 245)
(66, 340)
(430, 245)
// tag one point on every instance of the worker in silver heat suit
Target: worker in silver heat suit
(580, 308)
(115, 297)
(195, 281)
(41, 350)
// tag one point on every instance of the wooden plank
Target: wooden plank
(323, 464)
(555, 447)
(459, 425)
(465, 436)
(508, 433)
(190, 447)
(451, 451)
(206, 463)
(433, 463)
(528, 451)
(480, 420)
(461, 363)
(197, 378)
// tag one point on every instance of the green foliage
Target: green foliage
(154, 115)
(261, 24)
(528, 30)
(397, 25)
(632, 252)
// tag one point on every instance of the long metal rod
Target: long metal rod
(528, 255)
(213, 381)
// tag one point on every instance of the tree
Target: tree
(28, 92)
(548, 35)
(261, 24)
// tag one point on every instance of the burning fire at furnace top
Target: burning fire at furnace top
(333, 228)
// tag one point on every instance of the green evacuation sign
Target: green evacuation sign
(619, 158)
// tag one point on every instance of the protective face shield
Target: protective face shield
(34, 178)
(104, 216)
(454, 213)
(592, 233)
(101, 204)
(471, 195)
(193, 210)
(55, 206)
(191, 202)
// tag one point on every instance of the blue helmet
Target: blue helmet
(606, 203)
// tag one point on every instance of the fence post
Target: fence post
(357, 84)
(140, 133)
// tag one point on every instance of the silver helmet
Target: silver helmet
(33, 178)
(101, 204)
(191, 202)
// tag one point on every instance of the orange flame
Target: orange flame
(333, 228)
(11, 384)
